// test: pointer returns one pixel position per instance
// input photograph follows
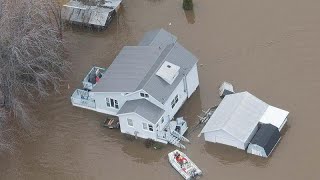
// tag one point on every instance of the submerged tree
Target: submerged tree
(187, 5)
(31, 54)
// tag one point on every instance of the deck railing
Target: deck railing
(82, 98)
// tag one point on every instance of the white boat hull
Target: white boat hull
(187, 170)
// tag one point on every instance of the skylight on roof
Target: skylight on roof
(168, 72)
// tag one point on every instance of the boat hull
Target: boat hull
(187, 170)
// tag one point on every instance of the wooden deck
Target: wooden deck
(112, 123)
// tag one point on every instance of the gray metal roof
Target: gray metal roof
(159, 38)
(128, 70)
(148, 37)
(157, 87)
(135, 67)
(238, 114)
(143, 108)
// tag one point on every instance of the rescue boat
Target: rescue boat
(183, 165)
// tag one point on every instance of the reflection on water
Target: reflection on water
(136, 149)
(155, 1)
(228, 155)
(225, 154)
(190, 16)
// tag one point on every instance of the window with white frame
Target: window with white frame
(130, 122)
(145, 126)
(112, 103)
(144, 95)
(174, 101)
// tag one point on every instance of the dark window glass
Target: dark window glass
(112, 102)
(150, 127)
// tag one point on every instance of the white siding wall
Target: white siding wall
(251, 135)
(192, 80)
(182, 97)
(256, 150)
(137, 126)
(101, 105)
(152, 100)
(166, 121)
(224, 138)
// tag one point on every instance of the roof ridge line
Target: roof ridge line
(159, 66)
(155, 36)
(223, 125)
(232, 114)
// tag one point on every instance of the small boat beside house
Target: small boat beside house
(183, 165)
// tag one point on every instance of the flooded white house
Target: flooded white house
(144, 87)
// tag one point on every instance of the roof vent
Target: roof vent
(168, 72)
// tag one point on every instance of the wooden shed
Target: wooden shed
(99, 15)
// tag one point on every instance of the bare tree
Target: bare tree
(31, 54)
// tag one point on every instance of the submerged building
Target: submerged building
(240, 120)
(96, 13)
(144, 88)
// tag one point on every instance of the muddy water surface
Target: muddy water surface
(270, 48)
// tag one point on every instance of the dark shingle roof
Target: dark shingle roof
(267, 137)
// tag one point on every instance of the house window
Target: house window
(174, 101)
(162, 120)
(112, 103)
(150, 127)
(144, 95)
(145, 126)
(130, 122)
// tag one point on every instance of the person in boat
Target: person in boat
(181, 160)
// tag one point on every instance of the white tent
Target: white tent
(236, 120)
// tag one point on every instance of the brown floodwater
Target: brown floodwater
(270, 48)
